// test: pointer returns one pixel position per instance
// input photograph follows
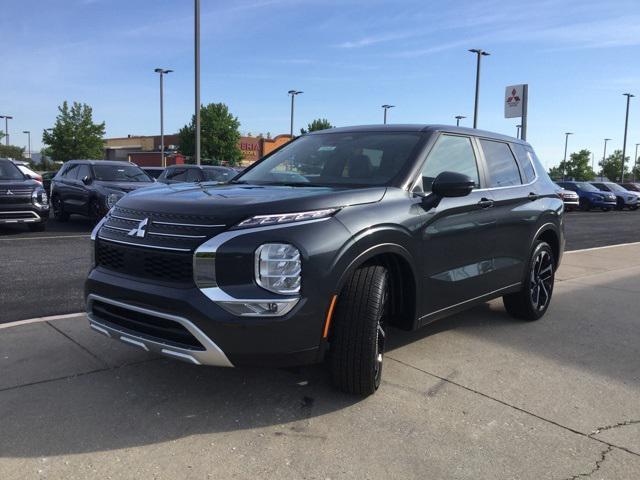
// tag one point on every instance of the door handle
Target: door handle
(533, 196)
(485, 203)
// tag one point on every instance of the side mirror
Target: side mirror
(86, 180)
(452, 184)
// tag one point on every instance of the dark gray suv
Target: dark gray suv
(313, 252)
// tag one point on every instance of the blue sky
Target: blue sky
(349, 57)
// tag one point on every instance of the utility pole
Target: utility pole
(480, 53)
(196, 31)
(604, 153)
(518, 127)
(624, 142)
(635, 163)
(162, 73)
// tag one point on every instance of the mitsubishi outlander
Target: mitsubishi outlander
(315, 251)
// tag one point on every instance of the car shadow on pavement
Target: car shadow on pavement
(158, 401)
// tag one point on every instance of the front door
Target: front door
(458, 234)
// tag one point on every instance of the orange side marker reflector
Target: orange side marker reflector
(327, 322)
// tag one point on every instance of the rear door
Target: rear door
(458, 234)
(66, 186)
(518, 206)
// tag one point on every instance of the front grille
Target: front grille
(152, 326)
(15, 200)
(4, 192)
(171, 267)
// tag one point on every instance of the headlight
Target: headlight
(113, 198)
(278, 268)
(39, 198)
(262, 220)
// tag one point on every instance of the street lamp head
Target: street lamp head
(459, 117)
(295, 92)
(568, 133)
(628, 95)
(8, 117)
(26, 131)
(162, 71)
(479, 51)
(387, 106)
(607, 139)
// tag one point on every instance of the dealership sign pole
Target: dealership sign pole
(515, 105)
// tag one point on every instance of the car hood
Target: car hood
(233, 203)
(18, 184)
(123, 186)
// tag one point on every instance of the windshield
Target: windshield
(333, 159)
(219, 174)
(120, 173)
(587, 187)
(614, 187)
(8, 171)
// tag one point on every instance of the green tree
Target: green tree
(317, 124)
(1, 136)
(556, 172)
(219, 135)
(74, 134)
(578, 167)
(612, 165)
(11, 151)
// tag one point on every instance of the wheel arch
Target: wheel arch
(550, 233)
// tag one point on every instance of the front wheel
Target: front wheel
(359, 331)
(585, 205)
(532, 301)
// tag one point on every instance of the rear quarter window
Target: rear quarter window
(502, 166)
(524, 156)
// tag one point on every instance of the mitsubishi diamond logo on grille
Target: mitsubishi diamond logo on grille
(140, 230)
(9, 192)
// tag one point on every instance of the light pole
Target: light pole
(604, 153)
(293, 94)
(162, 73)
(566, 143)
(29, 141)
(196, 49)
(480, 53)
(386, 107)
(624, 142)
(6, 127)
(635, 163)
(458, 118)
(518, 127)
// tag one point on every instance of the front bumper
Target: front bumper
(12, 214)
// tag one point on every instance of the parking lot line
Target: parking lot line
(601, 248)
(42, 319)
(43, 238)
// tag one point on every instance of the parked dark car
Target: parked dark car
(154, 172)
(404, 225)
(590, 196)
(624, 198)
(570, 199)
(92, 187)
(631, 186)
(195, 173)
(22, 199)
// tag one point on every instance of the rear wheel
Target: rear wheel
(532, 301)
(58, 209)
(359, 331)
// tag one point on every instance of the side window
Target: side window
(83, 171)
(451, 153)
(525, 160)
(71, 173)
(193, 175)
(178, 174)
(503, 170)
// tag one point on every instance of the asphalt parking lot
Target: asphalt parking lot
(43, 273)
(475, 396)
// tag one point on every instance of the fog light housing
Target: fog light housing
(204, 269)
(259, 308)
(278, 268)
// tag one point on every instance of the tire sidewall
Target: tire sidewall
(540, 246)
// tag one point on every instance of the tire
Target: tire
(358, 337)
(585, 205)
(619, 205)
(58, 209)
(533, 300)
(37, 227)
(95, 211)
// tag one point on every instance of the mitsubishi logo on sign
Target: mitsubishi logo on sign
(514, 100)
(141, 230)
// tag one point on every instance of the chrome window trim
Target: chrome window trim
(212, 355)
